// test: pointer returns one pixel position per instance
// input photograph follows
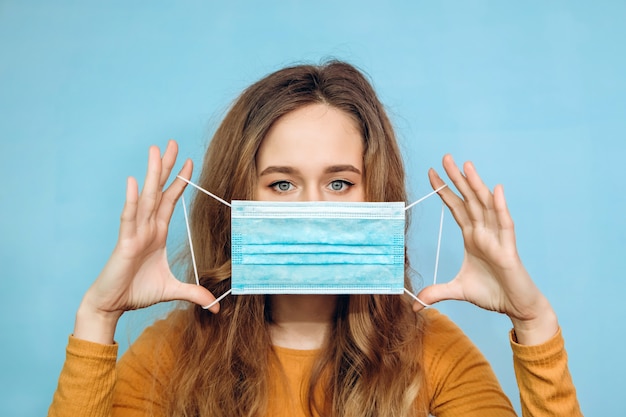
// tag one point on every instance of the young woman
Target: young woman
(306, 133)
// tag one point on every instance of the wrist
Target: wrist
(538, 329)
(95, 325)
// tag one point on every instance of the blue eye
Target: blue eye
(282, 186)
(340, 185)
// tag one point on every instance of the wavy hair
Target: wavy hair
(371, 363)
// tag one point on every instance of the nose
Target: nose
(312, 193)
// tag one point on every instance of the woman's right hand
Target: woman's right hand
(137, 274)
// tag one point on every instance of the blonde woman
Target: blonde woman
(305, 133)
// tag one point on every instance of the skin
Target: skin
(492, 275)
(312, 154)
(137, 274)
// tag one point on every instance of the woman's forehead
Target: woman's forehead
(315, 134)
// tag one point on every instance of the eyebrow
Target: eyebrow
(341, 168)
(329, 170)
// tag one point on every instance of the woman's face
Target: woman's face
(314, 153)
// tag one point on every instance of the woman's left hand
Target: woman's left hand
(492, 275)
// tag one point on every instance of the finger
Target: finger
(472, 205)
(129, 212)
(454, 203)
(438, 292)
(193, 293)
(168, 161)
(478, 186)
(173, 193)
(482, 192)
(503, 216)
(150, 194)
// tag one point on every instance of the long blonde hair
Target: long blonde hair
(371, 363)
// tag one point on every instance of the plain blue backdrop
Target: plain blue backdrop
(532, 92)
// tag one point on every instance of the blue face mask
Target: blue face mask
(315, 247)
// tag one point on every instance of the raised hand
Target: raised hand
(492, 275)
(137, 274)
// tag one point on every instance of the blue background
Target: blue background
(533, 92)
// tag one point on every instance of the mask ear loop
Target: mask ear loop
(443, 206)
(220, 298)
(205, 191)
(193, 257)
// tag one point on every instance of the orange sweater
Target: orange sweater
(458, 379)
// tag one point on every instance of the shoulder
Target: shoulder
(155, 349)
(447, 350)
(143, 372)
(459, 380)
(440, 332)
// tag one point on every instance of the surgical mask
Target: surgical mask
(316, 247)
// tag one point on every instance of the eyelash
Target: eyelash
(345, 185)
(275, 185)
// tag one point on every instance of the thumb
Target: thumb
(434, 293)
(196, 294)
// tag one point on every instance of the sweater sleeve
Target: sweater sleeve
(459, 380)
(544, 380)
(87, 380)
(143, 373)
(92, 384)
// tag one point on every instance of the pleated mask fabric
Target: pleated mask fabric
(317, 247)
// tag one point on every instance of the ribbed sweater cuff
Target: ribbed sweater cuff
(536, 354)
(89, 350)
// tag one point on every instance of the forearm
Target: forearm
(544, 380)
(87, 380)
